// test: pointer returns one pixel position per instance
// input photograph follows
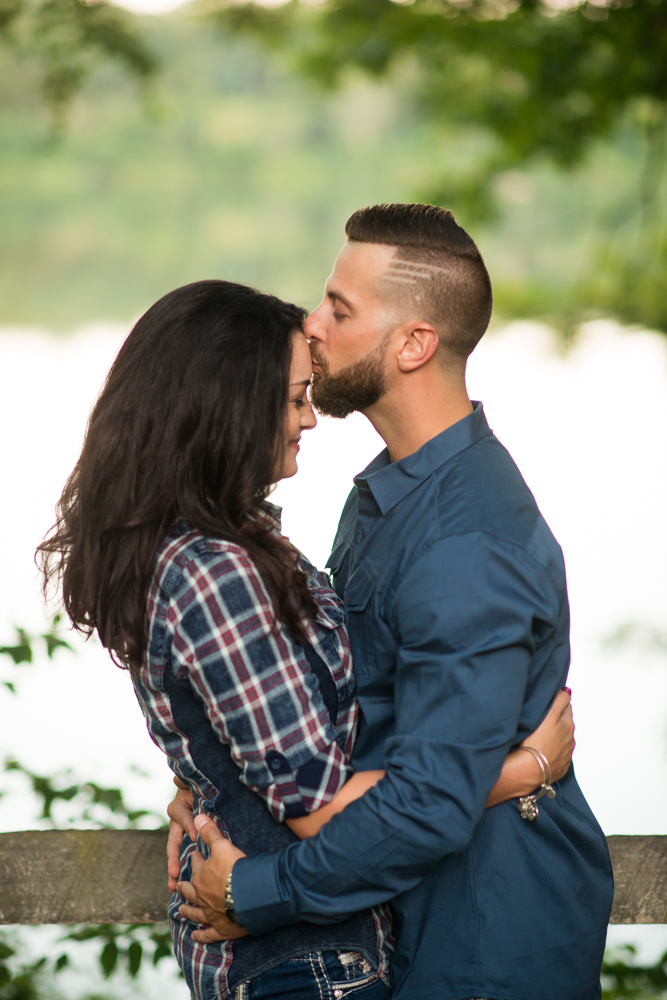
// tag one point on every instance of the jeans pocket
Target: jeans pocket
(348, 972)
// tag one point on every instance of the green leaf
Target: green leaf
(109, 958)
(6, 951)
(22, 651)
(62, 962)
(134, 956)
(161, 951)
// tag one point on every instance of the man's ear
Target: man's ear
(418, 344)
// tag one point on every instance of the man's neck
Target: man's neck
(408, 417)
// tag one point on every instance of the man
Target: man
(457, 610)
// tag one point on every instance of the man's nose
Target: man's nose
(313, 326)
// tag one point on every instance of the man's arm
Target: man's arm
(554, 737)
(466, 645)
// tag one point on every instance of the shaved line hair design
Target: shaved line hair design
(437, 273)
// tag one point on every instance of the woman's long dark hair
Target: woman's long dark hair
(189, 424)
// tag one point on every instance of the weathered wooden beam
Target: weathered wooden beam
(119, 876)
(640, 879)
(83, 876)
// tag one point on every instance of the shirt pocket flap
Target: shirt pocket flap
(359, 588)
(338, 553)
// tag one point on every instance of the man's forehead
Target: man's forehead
(359, 265)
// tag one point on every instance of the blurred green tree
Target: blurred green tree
(67, 39)
(537, 80)
(542, 77)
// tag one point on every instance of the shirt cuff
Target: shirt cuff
(258, 902)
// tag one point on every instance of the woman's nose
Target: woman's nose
(308, 419)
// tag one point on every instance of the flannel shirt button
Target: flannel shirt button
(277, 762)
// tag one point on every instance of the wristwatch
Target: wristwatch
(229, 904)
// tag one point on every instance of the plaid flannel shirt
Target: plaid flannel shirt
(259, 692)
(211, 622)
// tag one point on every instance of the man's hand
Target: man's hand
(206, 893)
(181, 820)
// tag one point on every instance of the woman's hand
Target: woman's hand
(554, 737)
(181, 820)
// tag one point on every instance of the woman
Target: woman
(165, 544)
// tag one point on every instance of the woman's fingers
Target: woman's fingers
(180, 811)
(560, 703)
(554, 737)
(174, 841)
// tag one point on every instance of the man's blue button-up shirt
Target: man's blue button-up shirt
(457, 610)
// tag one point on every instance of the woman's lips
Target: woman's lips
(295, 444)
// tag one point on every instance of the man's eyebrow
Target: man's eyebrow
(331, 294)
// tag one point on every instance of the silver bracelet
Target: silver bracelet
(528, 803)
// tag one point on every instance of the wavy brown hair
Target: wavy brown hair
(189, 424)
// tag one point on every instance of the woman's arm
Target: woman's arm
(521, 774)
(354, 788)
(554, 737)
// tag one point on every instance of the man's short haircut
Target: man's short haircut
(437, 272)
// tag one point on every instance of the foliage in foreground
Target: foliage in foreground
(123, 949)
(622, 976)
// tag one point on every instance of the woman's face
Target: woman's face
(300, 416)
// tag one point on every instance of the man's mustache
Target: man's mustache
(317, 358)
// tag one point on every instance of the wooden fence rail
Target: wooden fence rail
(119, 876)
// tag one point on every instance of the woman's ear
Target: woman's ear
(419, 343)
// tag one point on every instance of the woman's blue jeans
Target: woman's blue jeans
(322, 975)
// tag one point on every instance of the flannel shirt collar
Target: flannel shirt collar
(271, 514)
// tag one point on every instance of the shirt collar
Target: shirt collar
(390, 482)
(271, 514)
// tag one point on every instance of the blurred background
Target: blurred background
(144, 148)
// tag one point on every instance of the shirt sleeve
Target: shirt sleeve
(466, 641)
(258, 691)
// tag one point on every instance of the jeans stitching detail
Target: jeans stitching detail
(317, 978)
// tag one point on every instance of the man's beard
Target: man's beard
(353, 388)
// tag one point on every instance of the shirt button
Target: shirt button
(358, 535)
(275, 764)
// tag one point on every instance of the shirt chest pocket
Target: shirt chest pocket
(359, 590)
